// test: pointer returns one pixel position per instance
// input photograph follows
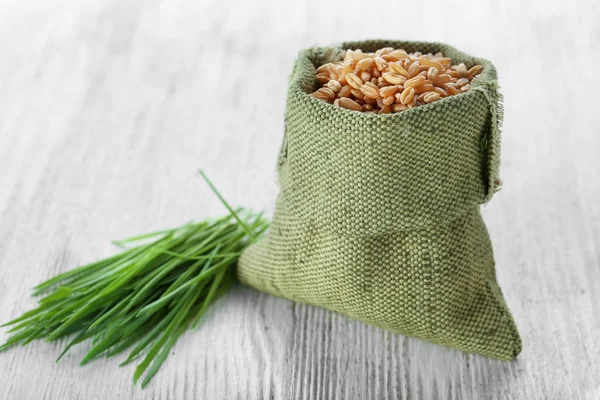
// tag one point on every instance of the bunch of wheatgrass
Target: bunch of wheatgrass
(146, 296)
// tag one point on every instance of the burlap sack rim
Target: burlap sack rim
(485, 83)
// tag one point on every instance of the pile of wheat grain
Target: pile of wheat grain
(391, 80)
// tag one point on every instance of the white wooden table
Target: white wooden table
(108, 108)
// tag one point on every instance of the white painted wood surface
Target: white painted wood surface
(108, 108)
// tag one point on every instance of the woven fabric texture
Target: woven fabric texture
(378, 215)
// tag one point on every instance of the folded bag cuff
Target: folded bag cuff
(368, 174)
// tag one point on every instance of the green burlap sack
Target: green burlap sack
(378, 215)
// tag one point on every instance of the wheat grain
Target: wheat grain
(424, 88)
(416, 81)
(431, 97)
(451, 89)
(357, 94)
(345, 91)
(398, 107)
(323, 77)
(387, 91)
(414, 69)
(334, 85)
(350, 104)
(354, 80)
(385, 110)
(398, 69)
(365, 63)
(432, 72)
(407, 95)
(388, 101)
(325, 93)
(365, 76)
(393, 78)
(462, 82)
(473, 71)
(425, 61)
(370, 90)
(380, 63)
(440, 91)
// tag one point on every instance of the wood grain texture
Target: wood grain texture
(107, 109)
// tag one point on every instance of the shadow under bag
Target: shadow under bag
(378, 215)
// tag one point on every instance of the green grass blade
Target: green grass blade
(59, 294)
(84, 335)
(162, 356)
(203, 276)
(178, 255)
(186, 303)
(144, 236)
(209, 297)
(231, 210)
